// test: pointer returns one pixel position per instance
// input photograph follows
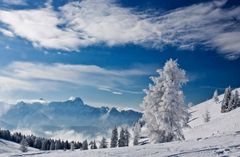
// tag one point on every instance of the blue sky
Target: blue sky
(104, 51)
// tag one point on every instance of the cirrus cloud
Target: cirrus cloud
(85, 23)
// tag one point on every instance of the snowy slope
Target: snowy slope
(228, 145)
(7, 147)
(218, 137)
(220, 123)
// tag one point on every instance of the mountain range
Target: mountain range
(72, 114)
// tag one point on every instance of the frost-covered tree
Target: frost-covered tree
(164, 110)
(24, 145)
(226, 100)
(93, 145)
(190, 105)
(72, 145)
(85, 145)
(126, 137)
(206, 116)
(136, 133)
(52, 145)
(103, 143)
(121, 140)
(114, 138)
(234, 100)
(215, 96)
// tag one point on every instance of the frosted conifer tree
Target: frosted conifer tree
(126, 137)
(226, 99)
(121, 140)
(52, 145)
(215, 96)
(190, 105)
(72, 146)
(103, 143)
(24, 145)
(233, 102)
(206, 116)
(136, 133)
(93, 145)
(114, 138)
(164, 110)
(85, 145)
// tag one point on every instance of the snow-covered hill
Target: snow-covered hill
(220, 123)
(7, 148)
(218, 137)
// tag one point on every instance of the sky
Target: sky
(104, 51)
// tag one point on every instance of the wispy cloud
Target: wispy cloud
(14, 2)
(27, 76)
(85, 23)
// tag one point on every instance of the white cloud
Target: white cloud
(6, 32)
(15, 2)
(84, 23)
(27, 76)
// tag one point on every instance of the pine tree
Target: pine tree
(24, 145)
(85, 145)
(226, 99)
(93, 145)
(164, 110)
(136, 133)
(206, 116)
(215, 96)
(126, 137)
(121, 140)
(72, 145)
(52, 145)
(190, 105)
(103, 143)
(114, 138)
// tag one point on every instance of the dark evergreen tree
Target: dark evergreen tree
(93, 145)
(114, 138)
(85, 145)
(126, 137)
(225, 103)
(103, 143)
(121, 140)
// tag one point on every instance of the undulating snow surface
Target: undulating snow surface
(220, 123)
(7, 148)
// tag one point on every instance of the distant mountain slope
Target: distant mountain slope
(71, 114)
(220, 123)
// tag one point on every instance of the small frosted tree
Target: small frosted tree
(52, 145)
(226, 100)
(164, 110)
(121, 140)
(215, 96)
(206, 116)
(136, 133)
(103, 143)
(114, 138)
(24, 145)
(93, 145)
(85, 145)
(234, 100)
(190, 105)
(126, 137)
(72, 146)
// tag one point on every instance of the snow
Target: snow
(7, 147)
(220, 123)
(218, 137)
(211, 147)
